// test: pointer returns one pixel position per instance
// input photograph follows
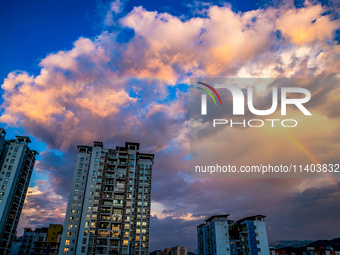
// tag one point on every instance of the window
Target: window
(16, 149)
(68, 234)
(84, 240)
(2, 194)
(71, 219)
(3, 187)
(259, 249)
(8, 174)
(12, 161)
(83, 249)
(65, 250)
(10, 167)
(67, 242)
(69, 226)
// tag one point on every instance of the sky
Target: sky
(73, 72)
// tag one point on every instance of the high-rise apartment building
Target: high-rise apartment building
(247, 236)
(213, 236)
(16, 164)
(108, 211)
(250, 236)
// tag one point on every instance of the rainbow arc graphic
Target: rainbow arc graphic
(209, 93)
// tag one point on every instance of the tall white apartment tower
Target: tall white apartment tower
(108, 211)
(16, 164)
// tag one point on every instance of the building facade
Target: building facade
(177, 250)
(247, 236)
(108, 211)
(213, 236)
(29, 238)
(39, 241)
(250, 235)
(16, 164)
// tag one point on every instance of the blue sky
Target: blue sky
(34, 29)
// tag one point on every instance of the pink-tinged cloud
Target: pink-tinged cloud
(42, 206)
(307, 25)
(95, 78)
